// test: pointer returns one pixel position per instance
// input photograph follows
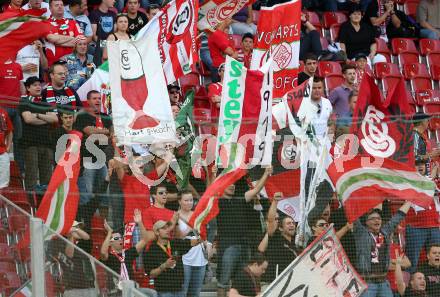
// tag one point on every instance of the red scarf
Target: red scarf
(50, 95)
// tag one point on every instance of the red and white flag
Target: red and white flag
(140, 101)
(18, 29)
(361, 187)
(384, 167)
(278, 36)
(245, 122)
(174, 30)
(214, 12)
(244, 135)
(60, 202)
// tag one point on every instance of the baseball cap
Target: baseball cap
(170, 87)
(30, 80)
(160, 224)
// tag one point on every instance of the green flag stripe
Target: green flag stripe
(199, 220)
(395, 179)
(55, 222)
(4, 26)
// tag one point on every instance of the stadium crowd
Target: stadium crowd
(394, 247)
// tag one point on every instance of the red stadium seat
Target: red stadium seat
(421, 83)
(334, 32)
(4, 236)
(434, 110)
(383, 69)
(433, 60)
(6, 253)
(407, 58)
(418, 75)
(17, 225)
(382, 48)
(333, 81)
(10, 281)
(324, 42)
(414, 70)
(313, 18)
(428, 46)
(97, 222)
(332, 18)
(188, 81)
(410, 7)
(403, 45)
(329, 68)
(427, 97)
(7, 266)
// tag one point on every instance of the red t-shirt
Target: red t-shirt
(136, 195)
(423, 219)
(244, 58)
(5, 129)
(10, 77)
(154, 214)
(213, 90)
(218, 42)
(64, 27)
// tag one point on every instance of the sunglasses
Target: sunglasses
(116, 238)
(174, 92)
(162, 193)
(319, 109)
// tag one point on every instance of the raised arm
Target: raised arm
(144, 234)
(252, 193)
(401, 286)
(106, 244)
(272, 223)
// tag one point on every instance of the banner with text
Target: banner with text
(245, 123)
(324, 260)
(140, 101)
(278, 35)
(214, 12)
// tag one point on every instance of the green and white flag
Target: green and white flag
(99, 81)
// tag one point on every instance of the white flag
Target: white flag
(140, 101)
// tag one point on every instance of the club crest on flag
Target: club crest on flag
(181, 23)
(225, 10)
(376, 140)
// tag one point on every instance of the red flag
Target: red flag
(384, 166)
(18, 29)
(279, 35)
(60, 202)
(207, 208)
(361, 186)
(384, 127)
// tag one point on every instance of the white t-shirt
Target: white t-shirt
(44, 5)
(26, 55)
(195, 256)
(320, 121)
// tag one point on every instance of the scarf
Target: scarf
(50, 95)
(32, 99)
(128, 235)
(383, 26)
(124, 272)
(61, 24)
(379, 240)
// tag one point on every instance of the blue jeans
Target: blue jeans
(230, 262)
(170, 294)
(15, 118)
(378, 290)
(426, 33)
(193, 280)
(89, 182)
(416, 239)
